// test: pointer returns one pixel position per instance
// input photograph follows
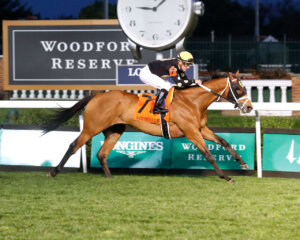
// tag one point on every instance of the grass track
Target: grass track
(90, 206)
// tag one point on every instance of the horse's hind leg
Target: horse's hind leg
(74, 146)
(211, 136)
(112, 135)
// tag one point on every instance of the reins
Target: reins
(235, 103)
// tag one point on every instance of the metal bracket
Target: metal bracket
(180, 45)
(135, 50)
(199, 8)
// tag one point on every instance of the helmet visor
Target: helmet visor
(188, 62)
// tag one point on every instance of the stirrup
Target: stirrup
(159, 110)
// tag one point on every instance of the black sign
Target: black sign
(67, 55)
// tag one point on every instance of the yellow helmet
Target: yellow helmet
(186, 57)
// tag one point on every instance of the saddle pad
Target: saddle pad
(144, 108)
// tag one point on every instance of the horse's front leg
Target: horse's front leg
(211, 136)
(199, 142)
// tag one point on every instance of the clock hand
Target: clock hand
(155, 8)
(146, 8)
(152, 8)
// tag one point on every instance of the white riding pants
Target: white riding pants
(153, 80)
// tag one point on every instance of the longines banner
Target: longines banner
(139, 150)
(134, 150)
(69, 54)
(282, 152)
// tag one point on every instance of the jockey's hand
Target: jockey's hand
(198, 82)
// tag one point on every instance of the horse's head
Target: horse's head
(238, 94)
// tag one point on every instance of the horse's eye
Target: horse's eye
(239, 91)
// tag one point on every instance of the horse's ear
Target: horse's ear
(230, 75)
(237, 73)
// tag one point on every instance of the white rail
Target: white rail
(271, 84)
(47, 94)
(57, 94)
(78, 94)
(215, 106)
(250, 85)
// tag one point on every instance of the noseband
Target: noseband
(236, 98)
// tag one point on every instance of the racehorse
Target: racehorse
(110, 112)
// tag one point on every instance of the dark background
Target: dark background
(277, 17)
(223, 39)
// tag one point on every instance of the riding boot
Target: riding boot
(159, 106)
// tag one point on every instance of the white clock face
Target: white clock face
(155, 24)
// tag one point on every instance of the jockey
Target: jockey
(155, 72)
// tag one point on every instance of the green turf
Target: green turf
(90, 206)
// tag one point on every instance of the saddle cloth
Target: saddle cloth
(144, 108)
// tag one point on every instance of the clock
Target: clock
(158, 24)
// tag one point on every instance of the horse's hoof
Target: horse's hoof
(51, 174)
(244, 166)
(231, 180)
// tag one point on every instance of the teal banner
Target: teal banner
(281, 152)
(140, 150)
(185, 155)
(134, 150)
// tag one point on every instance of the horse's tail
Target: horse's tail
(64, 115)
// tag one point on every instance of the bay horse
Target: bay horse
(110, 112)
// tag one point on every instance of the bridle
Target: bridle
(235, 97)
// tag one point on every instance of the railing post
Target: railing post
(72, 95)
(48, 94)
(258, 145)
(80, 95)
(15, 94)
(260, 98)
(65, 94)
(24, 95)
(283, 94)
(40, 94)
(248, 89)
(56, 94)
(272, 93)
(31, 94)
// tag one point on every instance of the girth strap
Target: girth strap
(164, 126)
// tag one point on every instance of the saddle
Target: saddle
(144, 110)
